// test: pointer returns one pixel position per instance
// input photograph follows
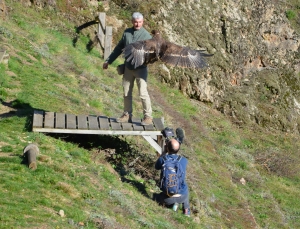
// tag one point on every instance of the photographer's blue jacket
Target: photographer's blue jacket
(183, 162)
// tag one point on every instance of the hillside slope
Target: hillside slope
(240, 176)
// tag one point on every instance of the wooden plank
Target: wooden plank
(49, 120)
(105, 132)
(108, 40)
(38, 117)
(93, 122)
(71, 121)
(82, 122)
(126, 126)
(153, 143)
(149, 127)
(60, 121)
(114, 124)
(158, 124)
(104, 124)
(136, 123)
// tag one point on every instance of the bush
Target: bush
(290, 14)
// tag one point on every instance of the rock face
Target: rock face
(254, 73)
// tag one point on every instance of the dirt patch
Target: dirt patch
(7, 155)
(177, 118)
(32, 58)
(11, 74)
(3, 144)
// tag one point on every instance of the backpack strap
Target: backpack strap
(164, 158)
(179, 158)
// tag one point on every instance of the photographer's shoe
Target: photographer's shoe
(180, 135)
(146, 121)
(126, 117)
(175, 206)
(187, 212)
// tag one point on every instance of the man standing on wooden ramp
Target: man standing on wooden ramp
(131, 35)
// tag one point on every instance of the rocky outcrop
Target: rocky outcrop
(254, 73)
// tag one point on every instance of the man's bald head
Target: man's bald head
(173, 146)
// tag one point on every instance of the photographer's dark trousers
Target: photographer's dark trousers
(167, 200)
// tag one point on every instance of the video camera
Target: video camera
(168, 134)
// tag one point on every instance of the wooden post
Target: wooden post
(31, 152)
(104, 34)
(101, 28)
(108, 39)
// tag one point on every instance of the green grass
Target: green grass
(290, 14)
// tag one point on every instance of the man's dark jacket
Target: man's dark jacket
(130, 35)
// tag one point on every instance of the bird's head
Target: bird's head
(156, 33)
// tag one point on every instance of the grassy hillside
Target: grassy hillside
(109, 181)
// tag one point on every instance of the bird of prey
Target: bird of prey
(148, 51)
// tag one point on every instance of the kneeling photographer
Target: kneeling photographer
(173, 171)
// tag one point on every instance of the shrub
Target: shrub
(290, 14)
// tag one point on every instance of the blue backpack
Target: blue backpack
(172, 176)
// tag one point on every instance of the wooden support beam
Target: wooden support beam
(153, 143)
(105, 132)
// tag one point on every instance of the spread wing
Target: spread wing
(140, 52)
(185, 57)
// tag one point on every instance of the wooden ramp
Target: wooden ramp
(52, 122)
